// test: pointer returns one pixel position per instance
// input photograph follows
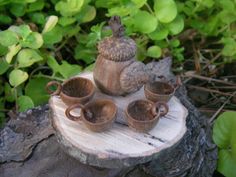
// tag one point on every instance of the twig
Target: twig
(219, 110)
(61, 45)
(50, 77)
(208, 79)
(224, 87)
(37, 69)
(4, 110)
(196, 59)
(209, 90)
(214, 59)
(233, 76)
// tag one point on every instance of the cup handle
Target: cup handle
(158, 105)
(70, 108)
(53, 83)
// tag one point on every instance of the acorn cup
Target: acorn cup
(161, 91)
(97, 115)
(143, 115)
(72, 91)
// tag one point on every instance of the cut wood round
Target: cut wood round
(120, 146)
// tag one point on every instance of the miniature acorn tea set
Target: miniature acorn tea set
(116, 72)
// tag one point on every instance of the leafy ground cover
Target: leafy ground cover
(52, 40)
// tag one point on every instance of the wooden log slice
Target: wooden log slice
(120, 146)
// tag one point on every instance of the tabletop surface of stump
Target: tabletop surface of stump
(120, 146)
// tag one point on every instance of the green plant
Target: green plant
(213, 19)
(56, 39)
(28, 57)
(224, 131)
(21, 45)
(36, 48)
(152, 24)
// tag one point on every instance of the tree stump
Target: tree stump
(120, 146)
(194, 156)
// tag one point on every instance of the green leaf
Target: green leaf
(71, 30)
(144, 22)
(227, 17)
(226, 4)
(24, 103)
(36, 6)
(35, 90)
(64, 21)
(176, 26)
(69, 7)
(106, 4)
(8, 38)
(87, 14)
(12, 51)
(207, 3)
(53, 36)
(175, 43)
(122, 10)
(18, 9)
(154, 51)
(52, 62)
(38, 18)
(141, 51)
(5, 19)
(22, 31)
(33, 41)
(224, 131)
(9, 93)
(85, 54)
(3, 66)
(226, 164)
(165, 10)
(89, 68)
(139, 3)
(17, 77)
(3, 50)
(229, 47)
(159, 34)
(211, 27)
(50, 24)
(67, 70)
(27, 57)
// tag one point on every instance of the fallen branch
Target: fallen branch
(219, 110)
(192, 75)
(209, 90)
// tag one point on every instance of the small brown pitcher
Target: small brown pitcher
(74, 90)
(161, 91)
(143, 115)
(97, 115)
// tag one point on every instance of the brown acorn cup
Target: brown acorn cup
(97, 115)
(72, 91)
(143, 115)
(161, 91)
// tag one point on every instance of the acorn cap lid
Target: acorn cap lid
(117, 47)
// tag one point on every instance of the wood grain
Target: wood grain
(120, 146)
